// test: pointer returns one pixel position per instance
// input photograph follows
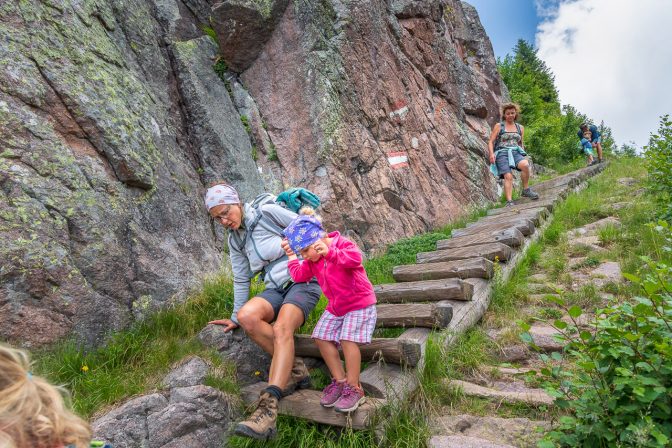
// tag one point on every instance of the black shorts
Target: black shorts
(303, 295)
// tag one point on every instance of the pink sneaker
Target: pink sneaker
(350, 399)
(331, 393)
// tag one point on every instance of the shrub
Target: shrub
(658, 155)
(619, 389)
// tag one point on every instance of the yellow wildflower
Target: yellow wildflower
(85, 368)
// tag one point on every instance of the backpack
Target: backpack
(502, 127)
(292, 199)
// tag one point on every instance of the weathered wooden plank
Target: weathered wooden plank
(430, 315)
(520, 205)
(510, 237)
(524, 225)
(393, 382)
(391, 350)
(489, 251)
(424, 291)
(470, 267)
(306, 404)
(535, 214)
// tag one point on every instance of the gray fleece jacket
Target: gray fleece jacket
(260, 249)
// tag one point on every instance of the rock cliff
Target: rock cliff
(112, 120)
(381, 107)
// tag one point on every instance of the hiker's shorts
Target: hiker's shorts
(304, 295)
(356, 326)
(502, 162)
(597, 140)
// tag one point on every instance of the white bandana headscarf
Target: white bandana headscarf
(221, 195)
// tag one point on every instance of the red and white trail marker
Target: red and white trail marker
(397, 159)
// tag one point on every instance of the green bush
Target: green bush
(618, 391)
(658, 155)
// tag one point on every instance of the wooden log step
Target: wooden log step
(523, 205)
(429, 315)
(391, 350)
(536, 214)
(393, 382)
(424, 291)
(469, 267)
(489, 251)
(525, 226)
(306, 404)
(510, 237)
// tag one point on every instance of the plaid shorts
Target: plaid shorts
(356, 326)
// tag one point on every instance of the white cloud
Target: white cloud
(612, 60)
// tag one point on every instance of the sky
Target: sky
(610, 58)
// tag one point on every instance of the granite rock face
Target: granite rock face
(111, 122)
(382, 108)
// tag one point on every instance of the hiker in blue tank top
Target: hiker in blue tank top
(596, 138)
(507, 153)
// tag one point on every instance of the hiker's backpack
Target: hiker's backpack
(502, 127)
(292, 199)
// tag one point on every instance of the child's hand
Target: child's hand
(288, 250)
(321, 248)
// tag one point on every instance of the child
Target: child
(587, 146)
(32, 413)
(350, 317)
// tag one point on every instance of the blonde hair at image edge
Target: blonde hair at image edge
(32, 411)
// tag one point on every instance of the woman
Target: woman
(507, 153)
(255, 248)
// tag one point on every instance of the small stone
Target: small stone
(520, 394)
(537, 278)
(592, 228)
(512, 353)
(619, 205)
(190, 373)
(543, 337)
(519, 432)
(627, 181)
(609, 271)
(456, 441)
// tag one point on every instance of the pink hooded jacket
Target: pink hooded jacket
(340, 275)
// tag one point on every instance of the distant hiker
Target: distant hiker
(596, 138)
(507, 153)
(255, 235)
(350, 316)
(588, 147)
(32, 411)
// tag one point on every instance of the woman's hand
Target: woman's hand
(492, 157)
(228, 324)
(288, 250)
(321, 248)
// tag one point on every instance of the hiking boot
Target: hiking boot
(350, 399)
(332, 393)
(261, 424)
(529, 193)
(298, 379)
(509, 204)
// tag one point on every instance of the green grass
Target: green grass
(404, 251)
(136, 360)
